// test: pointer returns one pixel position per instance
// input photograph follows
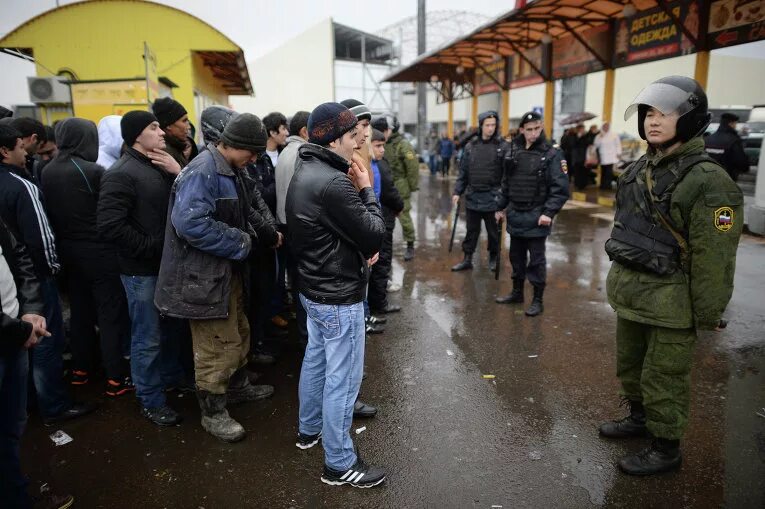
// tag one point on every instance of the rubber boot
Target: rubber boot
(465, 264)
(515, 297)
(215, 418)
(663, 455)
(409, 252)
(631, 426)
(536, 306)
(240, 390)
(493, 262)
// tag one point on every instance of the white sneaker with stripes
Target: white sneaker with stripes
(359, 475)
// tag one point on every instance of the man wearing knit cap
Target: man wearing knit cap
(336, 230)
(133, 194)
(210, 232)
(174, 121)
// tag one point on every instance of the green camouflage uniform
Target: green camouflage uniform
(658, 315)
(406, 174)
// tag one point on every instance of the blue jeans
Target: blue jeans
(47, 357)
(150, 335)
(331, 376)
(14, 372)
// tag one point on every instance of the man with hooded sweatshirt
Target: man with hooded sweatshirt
(109, 141)
(534, 189)
(72, 181)
(479, 179)
(673, 246)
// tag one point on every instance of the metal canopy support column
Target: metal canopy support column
(701, 73)
(608, 95)
(504, 115)
(474, 105)
(549, 106)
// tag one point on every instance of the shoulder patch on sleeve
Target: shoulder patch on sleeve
(410, 155)
(564, 166)
(723, 218)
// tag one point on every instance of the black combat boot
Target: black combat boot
(409, 252)
(465, 264)
(241, 390)
(663, 455)
(493, 262)
(536, 306)
(515, 297)
(215, 418)
(631, 426)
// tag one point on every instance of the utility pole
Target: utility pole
(422, 112)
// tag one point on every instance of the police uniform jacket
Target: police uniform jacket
(534, 183)
(726, 147)
(481, 173)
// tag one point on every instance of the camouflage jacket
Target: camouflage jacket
(707, 209)
(403, 164)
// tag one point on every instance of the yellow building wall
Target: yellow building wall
(100, 40)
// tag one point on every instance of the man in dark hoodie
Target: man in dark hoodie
(72, 181)
(534, 189)
(336, 230)
(479, 179)
(174, 121)
(132, 209)
(22, 210)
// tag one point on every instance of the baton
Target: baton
(501, 235)
(454, 225)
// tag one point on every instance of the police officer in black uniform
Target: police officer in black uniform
(534, 189)
(480, 178)
(726, 147)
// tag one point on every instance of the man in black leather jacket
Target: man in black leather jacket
(336, 230)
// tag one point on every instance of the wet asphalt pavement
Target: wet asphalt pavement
(447, 436)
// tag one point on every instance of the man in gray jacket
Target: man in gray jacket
(285, 167)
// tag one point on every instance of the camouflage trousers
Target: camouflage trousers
(654, 366)
(405, 218)
(221, 345)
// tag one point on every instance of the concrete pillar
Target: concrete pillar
(608, 95)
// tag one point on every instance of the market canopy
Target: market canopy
(553, 39)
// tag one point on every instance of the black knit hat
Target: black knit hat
(246, 132)
(214, 120)
(168, 111)
(358, 108)
(531, 116)
(380, 123)
(377, 135)
(328, 122)
(5, 112)
(133, 123)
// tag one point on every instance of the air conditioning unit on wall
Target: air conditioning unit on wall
(48, 90)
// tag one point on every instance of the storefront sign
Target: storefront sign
(572, 58)
(653, 35)
(734, 22)
(487, 85)
(524, 74)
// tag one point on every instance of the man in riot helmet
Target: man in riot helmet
(673, 247)
(534, 189)
(479, 179)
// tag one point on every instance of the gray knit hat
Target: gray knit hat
(245, 131)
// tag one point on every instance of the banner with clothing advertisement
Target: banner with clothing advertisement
(571, 57)
(733, 22)
(652, 35)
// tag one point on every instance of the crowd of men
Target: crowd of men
(183, 264)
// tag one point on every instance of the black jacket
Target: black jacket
(726, 147)
(71, 182)
(13, 331)
(333, 228)
(22, 210)
(132, 209)
(264, 175)
(390, 199)
(481, 197)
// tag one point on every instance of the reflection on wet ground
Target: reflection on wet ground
(449, 436)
